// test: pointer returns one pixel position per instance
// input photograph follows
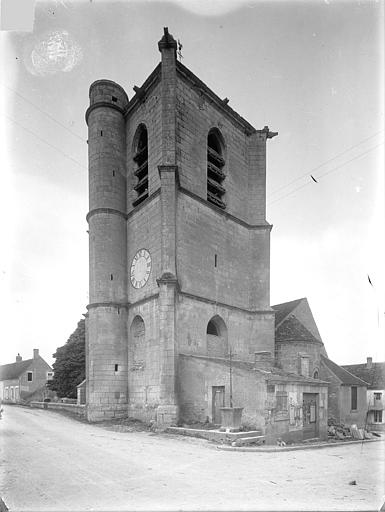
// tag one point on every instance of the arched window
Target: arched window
(315, 374)
(137, 347)
(216, 337)
(215, 164)
(212, 328)
(141, 162)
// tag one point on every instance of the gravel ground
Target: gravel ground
(50, 462)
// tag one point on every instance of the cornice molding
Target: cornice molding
(109, 211)
(103, 104)
(109, 304)
(228, 215)
(224, 305)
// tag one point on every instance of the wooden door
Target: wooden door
(310, 415)
(218, 402)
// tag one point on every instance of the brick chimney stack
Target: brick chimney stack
(18, 358)
(369, 362)
(35, 353)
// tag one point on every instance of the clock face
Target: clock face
(140, 268)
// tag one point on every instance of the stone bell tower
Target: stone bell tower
(179, 242)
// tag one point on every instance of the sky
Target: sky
(310, 70)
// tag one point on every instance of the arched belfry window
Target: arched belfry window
(216, 337)
(215, 164)
(316, 374)
(141, 164)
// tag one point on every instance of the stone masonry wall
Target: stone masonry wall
(246, 333)
(143, 231)
(196, 115)
(148, 113)
(144, 362)
(241, 269)
(196, 377)
(288, 355)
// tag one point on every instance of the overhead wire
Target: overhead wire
(46, 142)
(43, 112)
(325, 174)
(326, 162)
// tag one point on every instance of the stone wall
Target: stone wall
(246, 333)
(197, 376)
(288, 355)
(74, 409)
(244, 154)
(148, 113)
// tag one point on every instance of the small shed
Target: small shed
(81, 392)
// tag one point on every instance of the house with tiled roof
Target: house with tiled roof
(298, 343)
(24, 378)
(299, 349)
(347, 394)
(374, 375)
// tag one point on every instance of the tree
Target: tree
(70, 365)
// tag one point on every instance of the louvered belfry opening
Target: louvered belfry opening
(215, 175)
(141, 162)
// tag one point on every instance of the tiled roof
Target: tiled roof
(343, 375)
(271, 373)
(284, 309)
(292, 329)
(14, 370)
(374, 376)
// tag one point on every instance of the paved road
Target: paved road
(52, 463)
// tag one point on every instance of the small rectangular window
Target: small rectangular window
(116, 367)
(377, 396)
(29, 376)
(305, 366)
(353, 398)
(377, 416)
(281, 397)
(49, 375)
(114, 99)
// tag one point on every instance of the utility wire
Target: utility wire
(326, 162)
(326, 173)
(45, 142)
(45, 113)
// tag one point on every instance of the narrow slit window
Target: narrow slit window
(111, 277)
(101, 133)
(113, 173)
(215, 261)
(116, 367)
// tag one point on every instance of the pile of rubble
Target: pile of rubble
(343, 432)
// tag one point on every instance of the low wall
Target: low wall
(77, 410)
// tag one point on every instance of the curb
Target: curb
(292, 448)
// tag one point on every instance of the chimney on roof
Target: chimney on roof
(369, 362)
(18, 358)
(35, 353)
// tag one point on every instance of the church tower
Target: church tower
(179, 243)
